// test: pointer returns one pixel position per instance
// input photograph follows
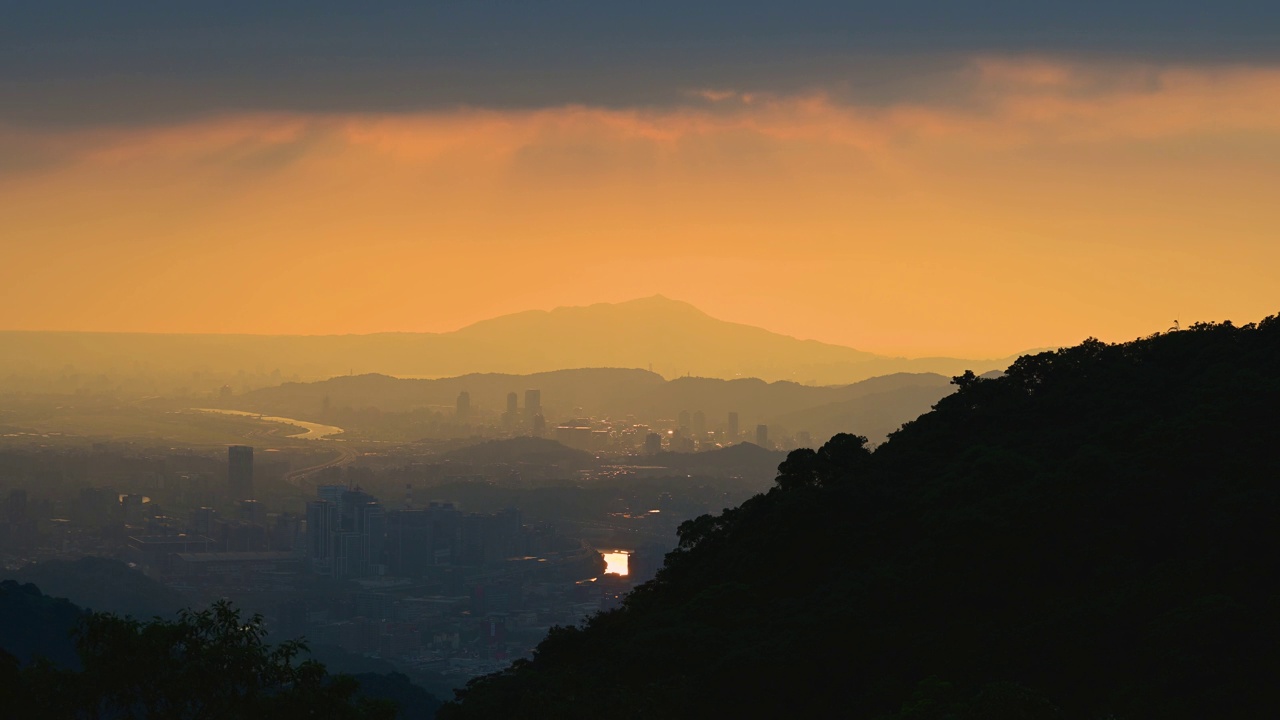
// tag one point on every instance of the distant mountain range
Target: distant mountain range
(670, 337)
(511, 451)
(745, 460)
(873, 407)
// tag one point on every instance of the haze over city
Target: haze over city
(895, 361)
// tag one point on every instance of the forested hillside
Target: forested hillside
(60, 661)
(1092, 535)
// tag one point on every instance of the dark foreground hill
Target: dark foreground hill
(59, 661)
(103, 585)
(1092, 535)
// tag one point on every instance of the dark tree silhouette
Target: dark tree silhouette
(1090, 535)
(204, 665)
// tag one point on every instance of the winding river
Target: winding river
(311, 431)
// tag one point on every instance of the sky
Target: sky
(918, 178)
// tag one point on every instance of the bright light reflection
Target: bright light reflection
(616, 562)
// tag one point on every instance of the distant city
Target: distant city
(447, 559)
(436, 527)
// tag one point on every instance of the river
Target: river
(311, 431)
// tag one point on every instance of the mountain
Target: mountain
(1090, 535)
(102, 585)
(512, 451)
(746, 460)
(671, 337)
(874, 415)
(33, 624)
(562, 390)
(755, 398)
(873, 407)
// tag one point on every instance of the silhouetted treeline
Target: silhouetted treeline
(1092, 535)
(59, 661)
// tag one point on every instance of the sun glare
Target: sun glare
(617, 562)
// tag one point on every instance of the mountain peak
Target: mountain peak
(651, 304)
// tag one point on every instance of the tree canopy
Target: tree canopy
(203, 665)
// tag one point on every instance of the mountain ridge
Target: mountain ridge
(881, 404)
(671, 336)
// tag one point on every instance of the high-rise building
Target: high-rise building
(418, 539)
(733, 427)
(202, 521)
(511, 417)
(682, 421)
(345, 539)
(532, 405)
(699, 425)
(240, 472)
(332, 493)
(677, 442)
(652, 443)
(364, 516)
(252, 511)
(464, 406)
(485, 539)
(575, 434)
(762, 436)
(322, 528)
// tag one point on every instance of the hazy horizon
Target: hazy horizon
(528, 311)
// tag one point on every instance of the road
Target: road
(345, 456)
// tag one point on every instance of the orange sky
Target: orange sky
(1038, 203)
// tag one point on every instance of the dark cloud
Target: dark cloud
(127, 61)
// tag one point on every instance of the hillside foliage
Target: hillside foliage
(204, 664)
(1092, 535)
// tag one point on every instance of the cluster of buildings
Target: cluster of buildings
(530, 420)
(441, 590)
(431, 586)
(350, 535)
(688, 432)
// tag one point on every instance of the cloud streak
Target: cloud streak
(76, 62)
